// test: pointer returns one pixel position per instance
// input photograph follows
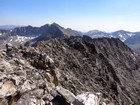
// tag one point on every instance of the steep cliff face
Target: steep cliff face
(62, 71)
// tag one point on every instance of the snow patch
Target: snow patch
(23, 38)
(123, 39)
(111, 36)
(120, 35)
(130, 34)
(0, 33)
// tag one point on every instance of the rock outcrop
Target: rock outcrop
(30, 77)
(70, 71)
(96, 65)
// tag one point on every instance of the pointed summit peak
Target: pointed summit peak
(29, 26)
(56, 25)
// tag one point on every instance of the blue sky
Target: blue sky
(83, 15)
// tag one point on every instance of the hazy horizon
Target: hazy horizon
(81, 15)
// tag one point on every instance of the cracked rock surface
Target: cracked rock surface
(70, 71)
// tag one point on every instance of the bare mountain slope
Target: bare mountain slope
(104, 65)
(58, 70)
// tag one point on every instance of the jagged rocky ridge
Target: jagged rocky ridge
(23, 34)
(53, 29)
(44, 73)
(31, 77)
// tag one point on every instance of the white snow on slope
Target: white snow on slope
(111, 36)
(23, 38)
(130, 34)
(122, 37)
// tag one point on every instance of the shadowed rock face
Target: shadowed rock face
(99, 65)
(56, 71)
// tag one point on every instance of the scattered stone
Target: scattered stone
(89, 98)
(55, 71)
(8, 89)
(9, 47)
(69, 96)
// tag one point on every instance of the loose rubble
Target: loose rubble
(24, 81)
(71, 71)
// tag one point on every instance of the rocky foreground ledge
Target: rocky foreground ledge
(29, 77)
(70, 71)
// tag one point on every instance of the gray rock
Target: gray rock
(69, 96)
(8, 89)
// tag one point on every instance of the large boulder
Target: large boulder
(7, 89)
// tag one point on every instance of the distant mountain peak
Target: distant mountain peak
(95, 31)
(122, 31)
(9, 27)
(55, 24)
(56, 30)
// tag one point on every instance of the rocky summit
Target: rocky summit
(70, 71)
